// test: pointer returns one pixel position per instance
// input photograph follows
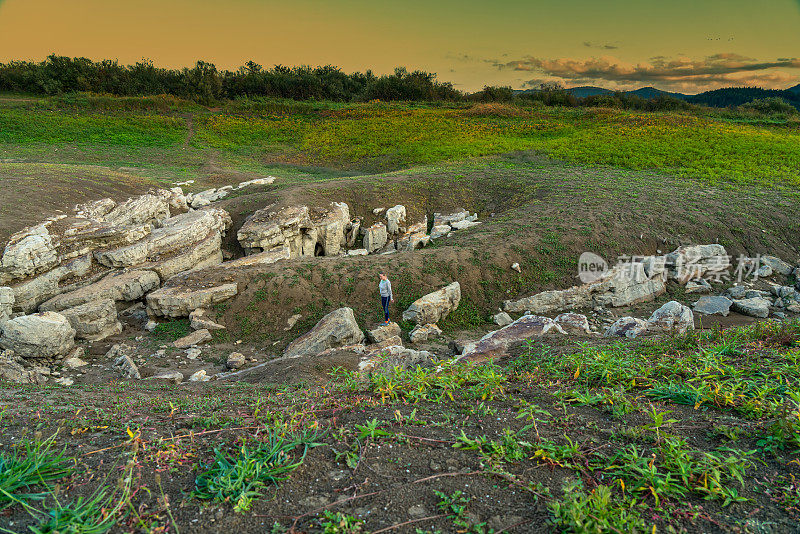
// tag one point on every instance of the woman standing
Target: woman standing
(385, 289)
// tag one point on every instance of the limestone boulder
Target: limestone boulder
(463, 225)
(629, 327)
(235, 360)
(375, 237)
(338, 328)
(395, 218)
(697, 261)
(499, 344)
(95, 209)
(121, 286)
(204, 198)
(449, 219)
(671, 317)
(777, 265)
(441, 230)
(45, 335)
(126, 367)
(383, 332)
(195, 338)
(502, 319)
(28, 252)
(393, 357)
(180, 300)
(754, 307)
(434, 306)
(95, 320)
(424, 332)
(200, 319)
(6, 304)
(15, 369)
(171, 377)
(574, 323)
(713, 306)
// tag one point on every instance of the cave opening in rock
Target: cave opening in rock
(319, 250)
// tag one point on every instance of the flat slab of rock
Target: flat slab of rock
(199, 319)
(95, 320)
(713, 306)
(382, 332)
(434, 306)
(124, 286)
(754, 307)
(179, 301)
(45, 335)
(497, 344)
(338, 328)
(195, 338)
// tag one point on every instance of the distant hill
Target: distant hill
(720, 98)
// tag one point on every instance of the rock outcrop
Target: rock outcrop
(395, 218)
(623, 285)
(338, 328)
(6, 304)
(434, 306)
(697, 261)
(44, 336)
(180, 301)
(95, 320)
(15, 369)
(306, 231)
(375, 237)
(119, 286)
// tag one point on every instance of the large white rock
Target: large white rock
(629, 327)
(434, 306)
(144, 209)
(338, 328)
(122, 286)
(395, 217)
(713, 305)
(95, 320)
(671, 317)
(697, 261)
(375, 237)
(28, 252)
(30, 294)
(383, 332)
(41, 335)
(180, 301)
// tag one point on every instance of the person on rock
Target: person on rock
(385, 289)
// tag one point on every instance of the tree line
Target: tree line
(205, 83)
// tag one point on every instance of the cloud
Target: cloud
(602, 46)
(712, 71)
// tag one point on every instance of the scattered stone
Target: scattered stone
(422, 333)
(291, 321)
(698, 286)
(336, 329)
(193, 353)
(434, 306)
(417, 511)
(502, 319)
(765, 271)
(269, 180)
(125, 366)
(515, 267)
(235, 360)
(150, 326)
(671, 317)
(74, 361)
(175, 377)
(178, 301)
(195, 338)
(95, 320)
(45, 335)
(378, 211)
(737, 292)
(713, 306)
(199, 376)
(395, 217)
(357, 252)
(199, 320)
(629, 327)
(497, 344)
(573, 323)
(754, 307)
(382, 332)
